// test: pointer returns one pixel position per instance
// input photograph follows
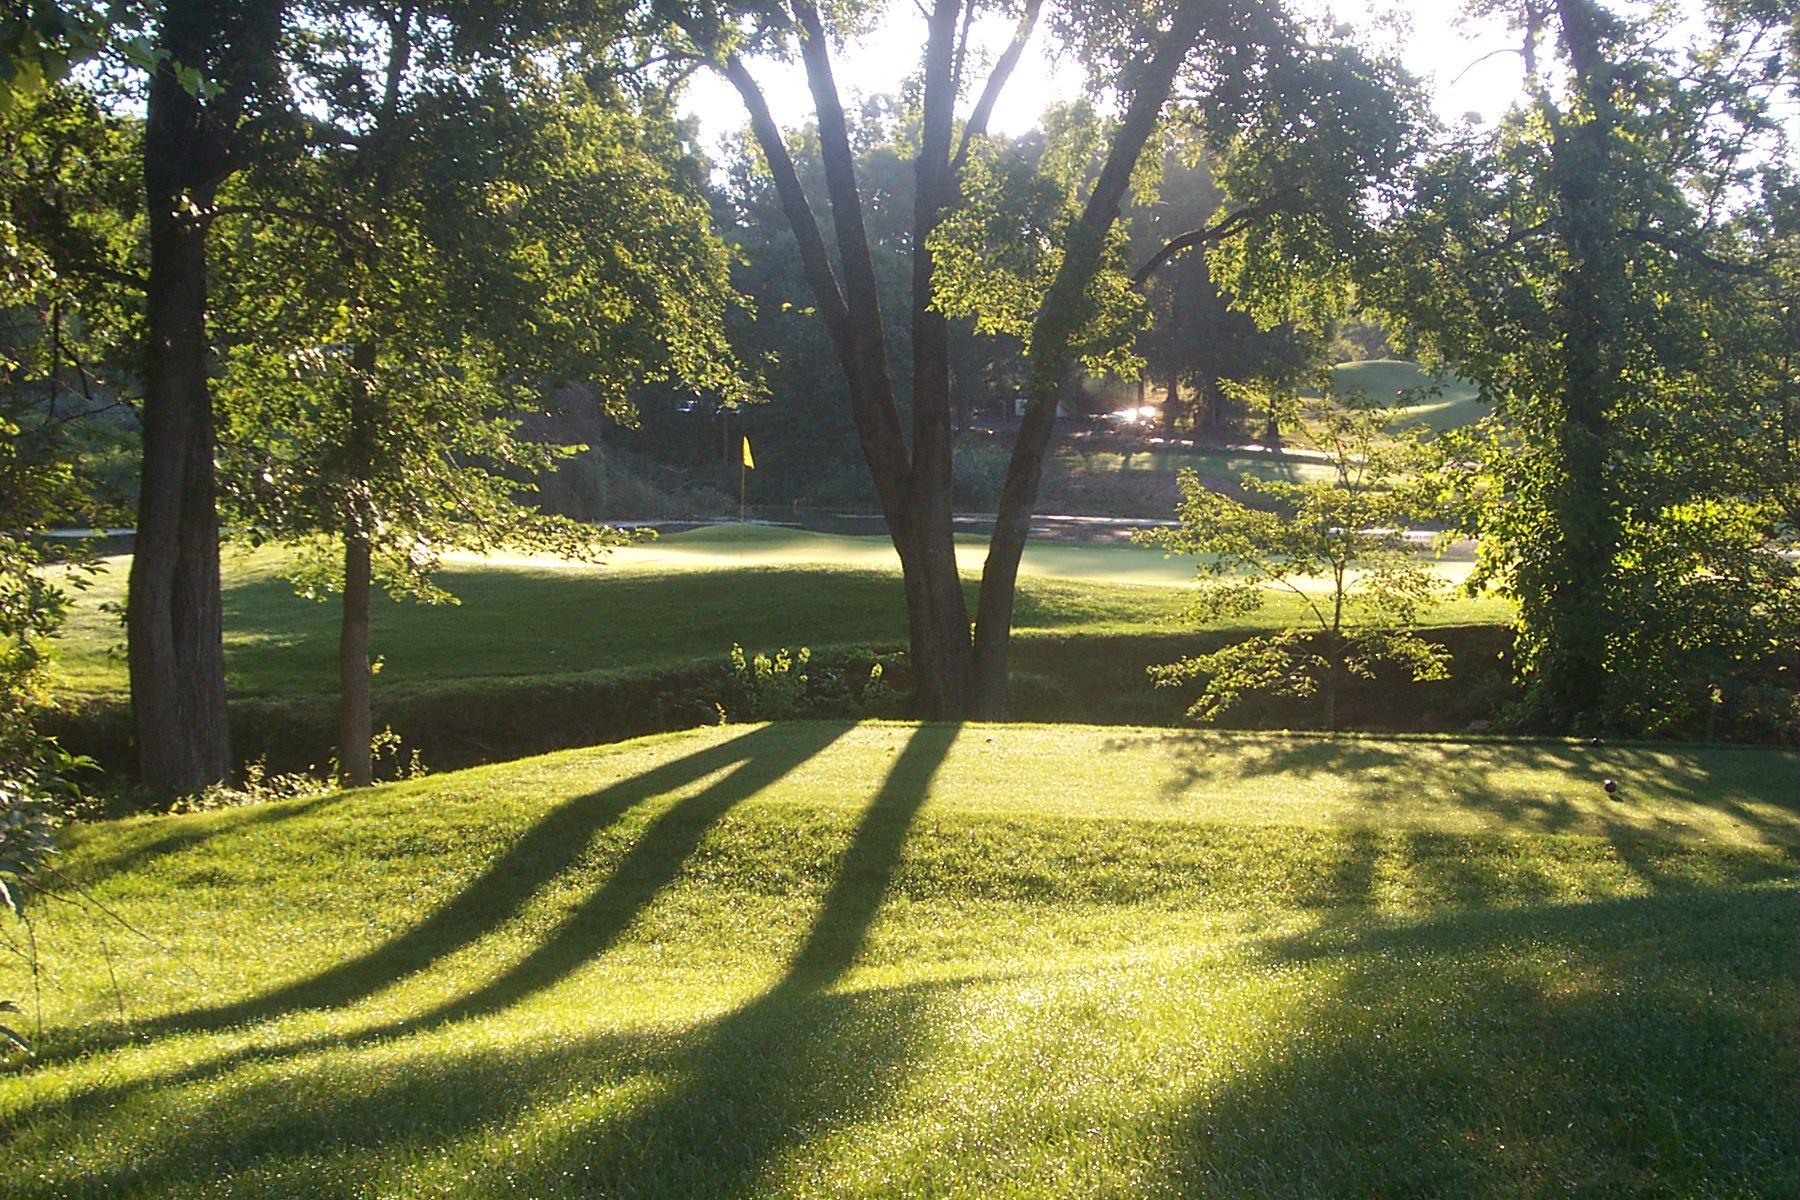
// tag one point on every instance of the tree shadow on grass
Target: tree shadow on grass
(546, 851)
(1628, 1047)
(729, 1095)
(1752, 786)
(551, 847)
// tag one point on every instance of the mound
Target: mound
(889, 959)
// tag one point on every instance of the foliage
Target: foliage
(576, 222)
(781, 687)
(773, 687)
(69, 257)
(1615, 265)
(1196, 338)
(39, 41)
(998, 252)
(1349, 532)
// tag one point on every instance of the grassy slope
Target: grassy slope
(687, 597)
(896, 960)
(1383, 379)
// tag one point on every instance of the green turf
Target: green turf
(1456, 404)
(685, 597)
(893, 960)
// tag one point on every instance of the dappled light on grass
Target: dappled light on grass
(890, 959)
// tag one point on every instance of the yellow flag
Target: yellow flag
(749, 461)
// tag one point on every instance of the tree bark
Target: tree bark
(356, 726)
(174, 621)
(174, 611)
(1577, 610)
(1052, 349)
(941, 609)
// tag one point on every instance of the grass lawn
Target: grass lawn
(1384, 379)
(683, 598)
(899, 960)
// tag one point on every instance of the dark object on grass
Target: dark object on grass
(1594, 742)
(1610, 787)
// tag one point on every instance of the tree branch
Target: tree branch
(342, 226)
(815, 261)
(990, 92)
(1681, 249)
(97, 271)
(871, 385)
(1218, 231)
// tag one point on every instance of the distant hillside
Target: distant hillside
(1385, 378)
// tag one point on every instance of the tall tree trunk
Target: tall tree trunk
(943, 610)
(356, 726)
(1576, 614)
(174, 624)
(174, 611)
(1052, 349)
(174, 621)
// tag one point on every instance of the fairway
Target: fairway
(899, 960)
(681, 599)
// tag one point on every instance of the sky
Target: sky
(1473, 68)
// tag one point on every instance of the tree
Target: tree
(66, 239)
(1141, 54)
(476, 234)
(194, 138)
(1615, 267)
(1348, 531)
(1195, 339)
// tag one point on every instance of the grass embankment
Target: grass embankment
(1457, 403)
(540, 655)
(890, 960)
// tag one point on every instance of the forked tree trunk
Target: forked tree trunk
(955, 676)
(1063, 313)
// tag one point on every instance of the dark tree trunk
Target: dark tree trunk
(356, 725)
(174, 624)
(1576, 612)
(174, 627)
(940, 607)
(1063, 313)
(356, 729)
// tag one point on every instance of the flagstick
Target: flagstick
(743, 470)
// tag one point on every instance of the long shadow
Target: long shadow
(656, 858)
(547, 850)
(820, 1058)
(787, 1065)
(763, 756)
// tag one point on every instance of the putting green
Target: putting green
(724, 546)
